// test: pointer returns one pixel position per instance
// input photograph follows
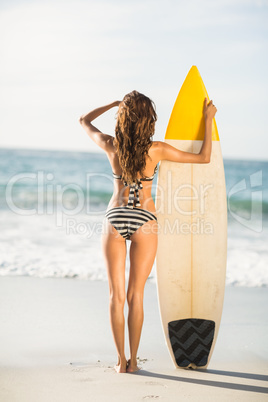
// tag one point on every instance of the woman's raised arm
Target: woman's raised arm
(168, 152)
(102, 140)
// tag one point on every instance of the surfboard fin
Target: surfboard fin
(191, 341)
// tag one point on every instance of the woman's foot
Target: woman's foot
(121, 366)
(132, 366)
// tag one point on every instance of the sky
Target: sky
(60, 59)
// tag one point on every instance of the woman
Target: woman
(131, 211)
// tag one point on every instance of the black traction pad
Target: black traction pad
(191, 340)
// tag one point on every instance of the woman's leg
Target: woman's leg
(114, 249)
(142, 254)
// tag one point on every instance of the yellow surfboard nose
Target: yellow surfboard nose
(186, 121)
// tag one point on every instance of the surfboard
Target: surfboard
(192, 247)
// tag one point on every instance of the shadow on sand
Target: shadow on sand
(219, 384)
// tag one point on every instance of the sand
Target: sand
(56, 345)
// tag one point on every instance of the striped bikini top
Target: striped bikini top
(134, 189)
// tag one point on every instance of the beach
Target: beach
(66, 65)
(57, 345)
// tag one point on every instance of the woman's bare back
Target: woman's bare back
(121, 193)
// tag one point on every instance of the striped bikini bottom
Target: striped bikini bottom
(127, 220)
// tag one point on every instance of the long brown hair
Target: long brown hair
(133, 132)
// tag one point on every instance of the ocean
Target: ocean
(52, 204)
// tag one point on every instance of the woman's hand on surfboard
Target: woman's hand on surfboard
(209, 109)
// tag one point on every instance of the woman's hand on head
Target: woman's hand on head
(117, 103)
(209, 110)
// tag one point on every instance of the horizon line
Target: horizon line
(103, 153)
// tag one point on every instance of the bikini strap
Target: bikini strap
(134, 189)
(134, 193)
(151, 177)
(117, 176)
